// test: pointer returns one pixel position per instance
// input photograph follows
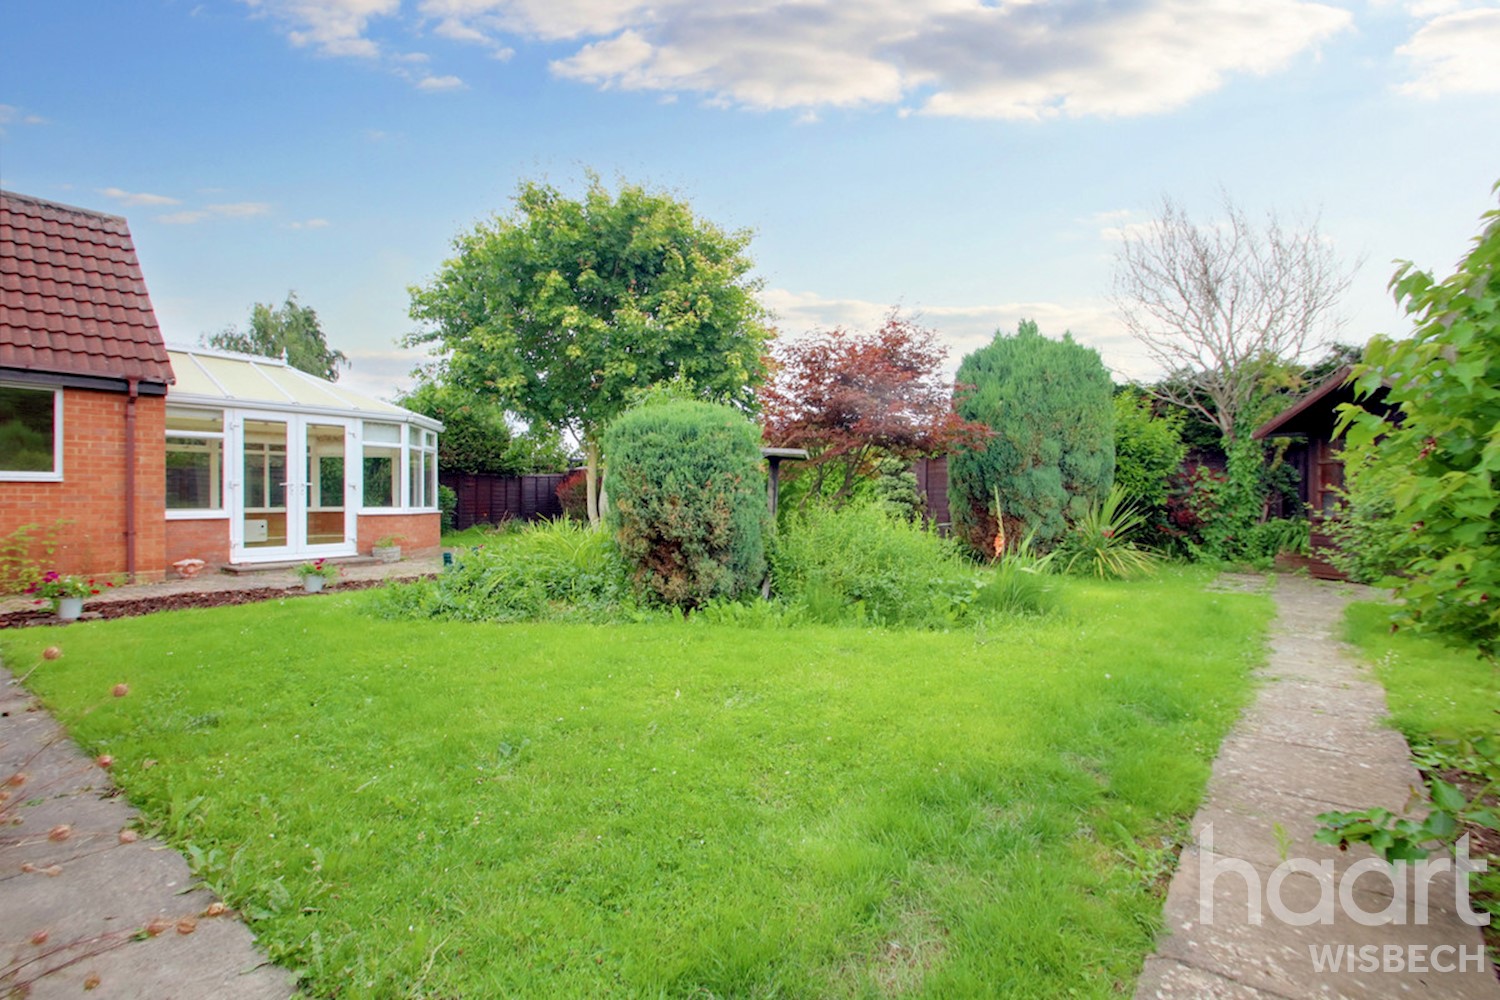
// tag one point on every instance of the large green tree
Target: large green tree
(1438, 462)
(565, 308)
(1052, 451)
(291, 331)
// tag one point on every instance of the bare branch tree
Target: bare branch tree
(1216, 305)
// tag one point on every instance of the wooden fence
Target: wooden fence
(487, 499)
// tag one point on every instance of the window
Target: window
(422, 467)
(195, 459)
(382, 460)
(30, 433)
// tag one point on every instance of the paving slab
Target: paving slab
(1258, 910)
(76, 900)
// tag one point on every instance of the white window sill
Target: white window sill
(384, 511)
(196, 515)
(31, 477)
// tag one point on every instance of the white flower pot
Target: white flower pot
(312, 584)
(69, 608)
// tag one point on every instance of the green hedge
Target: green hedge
(687, 501)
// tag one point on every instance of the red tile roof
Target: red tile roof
(72, 298)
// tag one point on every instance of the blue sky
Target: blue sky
(970, 161)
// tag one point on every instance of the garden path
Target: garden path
(80, 909)
(1313, 741)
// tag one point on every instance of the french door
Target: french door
(293, 491)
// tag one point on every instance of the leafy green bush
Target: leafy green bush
(863, 564)
(550, 569)
(687, 501)
(1052, 451)
(1367, 548)
(1443, 453)
(447, 507)
(1101, 545)
(896, 489)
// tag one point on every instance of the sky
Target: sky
(973, 163)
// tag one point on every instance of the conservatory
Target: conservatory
(266, 463)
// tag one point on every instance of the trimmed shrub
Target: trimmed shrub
(687, 501)
(864, 564)
(1052, 453)
(447, 507)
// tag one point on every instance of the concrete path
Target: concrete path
(80, 910)
(1312, 742)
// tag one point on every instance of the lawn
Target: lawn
(675, 808)
(1435, 692)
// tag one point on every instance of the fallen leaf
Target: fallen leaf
(51, 653)
(60, 832)
(216, 909)
(186, 925)
(121, 690)
(39, 937)
(92, 982)
(104, 760)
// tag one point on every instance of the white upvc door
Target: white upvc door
(292, 486)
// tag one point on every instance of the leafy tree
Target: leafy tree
(1051, 454)
(688, 501)
(1441, 456)
(477, 437)
(853, 398)
(1218, 305)
(561, 309)
(290, 331)
(1149, 450)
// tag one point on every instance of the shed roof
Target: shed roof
(225, 378)
(72, 297)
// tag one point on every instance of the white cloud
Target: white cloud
(12, 115)
(1002, 59)
(1457, 51)
(309, 224)
(966, 328)
(1008, 59)
(333, 27)
(138, 197)
(231, 210)
(436, 83)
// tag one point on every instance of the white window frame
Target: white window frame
(56, 475)
(220, 512)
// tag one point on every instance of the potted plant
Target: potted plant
(316, 574)
(66, 593)
(387, 549)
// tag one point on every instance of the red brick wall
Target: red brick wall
(91, 497)
(206, 539)
(420, 533)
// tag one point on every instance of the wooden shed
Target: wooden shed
(1315, 452)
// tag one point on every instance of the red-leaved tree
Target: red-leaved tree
(853, 398)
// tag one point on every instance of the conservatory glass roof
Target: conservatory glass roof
(226, 379)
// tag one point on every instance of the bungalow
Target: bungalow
(133, 456)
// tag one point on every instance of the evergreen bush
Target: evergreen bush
(1052, 453)
(687, 501)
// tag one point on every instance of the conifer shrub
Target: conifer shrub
(687, 501)
(1052, 453)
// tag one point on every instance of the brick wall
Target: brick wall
(199, 539)
(420, 534)
(90, 501)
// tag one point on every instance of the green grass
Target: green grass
(1432, 689)
(675, 808)
(1434, 692)
(474, 534)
